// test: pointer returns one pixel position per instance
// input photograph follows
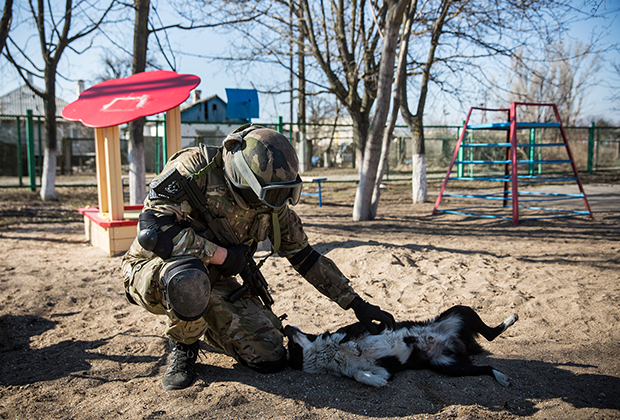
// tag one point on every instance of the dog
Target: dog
(443, 344)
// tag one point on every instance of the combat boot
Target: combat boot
(181, 368)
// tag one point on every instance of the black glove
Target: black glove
(235, 261)
(366, 313)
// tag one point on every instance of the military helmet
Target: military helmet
(262, 166)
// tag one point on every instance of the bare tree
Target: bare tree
(5, 22)
(564, 77)
(353, 47)
(363, 208)
(415, 122)
(144, 27)
(459, 40)
(56, 34)
(135, 153)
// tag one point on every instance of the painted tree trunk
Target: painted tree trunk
(362, 207)
(137, 175)
(48, 177)
(135, 156)
(418, 179)
(418, 162)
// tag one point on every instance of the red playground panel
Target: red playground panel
(119, 101)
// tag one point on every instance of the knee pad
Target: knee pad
(186, 288)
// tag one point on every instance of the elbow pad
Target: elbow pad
(304, 260)
(152, 238)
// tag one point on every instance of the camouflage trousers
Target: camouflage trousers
(244, 329)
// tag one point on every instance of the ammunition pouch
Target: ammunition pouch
(186, 288)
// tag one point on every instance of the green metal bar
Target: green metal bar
(157, 148)
(30, 150)
(591, 147)
(470, 153)
(598, 146)
(165, 148)
(532, 152)
(20, 169)
(280, 125)
(40, 151)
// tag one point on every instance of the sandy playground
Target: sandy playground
(71, 347)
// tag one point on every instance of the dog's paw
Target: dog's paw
(369, 378)
(510, 320)
(501, 378)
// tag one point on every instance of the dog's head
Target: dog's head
(318, 353)
(297, 342)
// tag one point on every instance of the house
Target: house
(211, 109)
(23, 98)
(202, 121)
(13, 108)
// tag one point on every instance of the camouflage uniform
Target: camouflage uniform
(245, 329)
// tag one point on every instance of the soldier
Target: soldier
(176, 267)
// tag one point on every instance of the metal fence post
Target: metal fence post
(280, 126)
(157, 147)
(532, 151)
(590, 147)
(20, 169)
(30, 150)
(40, 151)
(165, 144)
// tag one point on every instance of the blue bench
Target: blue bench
(318, 181)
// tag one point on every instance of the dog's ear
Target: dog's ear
(352, 348)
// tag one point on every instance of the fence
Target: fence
(594, 148)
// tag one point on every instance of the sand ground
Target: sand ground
(71, 347)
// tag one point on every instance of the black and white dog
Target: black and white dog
(442, 344)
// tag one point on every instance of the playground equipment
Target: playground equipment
(112, 226)
(529, 155)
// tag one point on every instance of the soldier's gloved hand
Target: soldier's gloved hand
(366, 313)
(235, 260)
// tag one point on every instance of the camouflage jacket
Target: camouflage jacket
(251, 225)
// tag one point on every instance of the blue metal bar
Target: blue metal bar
(486, 145)
(474, 214)
(506, 125)
(552, 194)
(508, 145)
(521, 178)
(519, 162)
(481, 161)
(557, 197)
(558, 210)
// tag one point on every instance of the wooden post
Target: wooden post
(110, 188)
(173, 132)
